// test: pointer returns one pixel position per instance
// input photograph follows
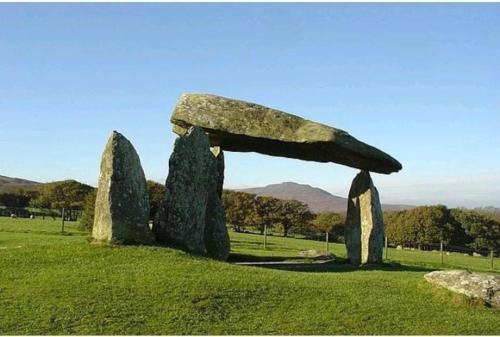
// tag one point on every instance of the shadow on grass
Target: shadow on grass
(257, 244)
(344, 266)
(339, 265)
(254, 258)
(29, 231)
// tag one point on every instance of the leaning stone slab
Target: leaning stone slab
(192, 216)
(247, 127)
(364, 227)
(122, 202)
(475, 285)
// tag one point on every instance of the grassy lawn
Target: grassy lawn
(59, 284)
(251, 247)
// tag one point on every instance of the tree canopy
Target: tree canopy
(248, 210)
(69, 194)
(431, 224)
(87, 219)
(330, 222)
(156, 193)
(21, 198)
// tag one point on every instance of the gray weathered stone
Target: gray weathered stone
(192, 215)
(122, 202)
(247, 127)
(475, 285)
(317, 254)
(364, 227)
(217, 240)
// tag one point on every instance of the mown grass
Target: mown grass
(251, 246)
(59, 284)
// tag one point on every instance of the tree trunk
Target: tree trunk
(285, 230)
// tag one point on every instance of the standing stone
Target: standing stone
(122, 202)
(216, 237)
(192, 215)
(364, 228)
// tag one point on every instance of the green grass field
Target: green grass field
(53, 283)
(250, 247)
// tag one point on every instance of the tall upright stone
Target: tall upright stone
(364, 227)
(217, 240)
(122, 201)
(192, 215)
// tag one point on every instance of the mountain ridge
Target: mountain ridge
(10, 184)
(316, 198)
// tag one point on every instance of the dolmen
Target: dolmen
(191, 215)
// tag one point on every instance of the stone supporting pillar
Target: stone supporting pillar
(217, 240)
(364, 227)
(192, 215)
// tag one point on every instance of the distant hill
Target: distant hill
(317, 199)
(490, 209)
(8, 184)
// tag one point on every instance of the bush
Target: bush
(87, 219)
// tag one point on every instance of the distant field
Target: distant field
(53, 283)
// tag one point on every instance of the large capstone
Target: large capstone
(192, 215)
(122, 202)
(364, 227)
(481, 286)
(240, 126)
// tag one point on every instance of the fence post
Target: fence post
(441, 251)
(386, 244)
(492, 257)
(326, 242)
(62, 223)
(265, 236)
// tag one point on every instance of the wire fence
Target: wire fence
(49, 213)
(444, 253)
(436, 253)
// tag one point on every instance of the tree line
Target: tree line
(51, 198)
(478, 229)
(247, 210)
(425, 225)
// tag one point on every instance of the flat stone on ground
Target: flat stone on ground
(317, 254)
(475, 285)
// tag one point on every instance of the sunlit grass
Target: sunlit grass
(59, 284)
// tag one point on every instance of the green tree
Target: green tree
(329, 222)
(266, 209)
(240, 208)
(484, 231)
(421, 225)
(69, 194)
(87, 219)
(20, 199)
(293, 214)
(156, 193)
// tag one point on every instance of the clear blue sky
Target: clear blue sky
(419, 81)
